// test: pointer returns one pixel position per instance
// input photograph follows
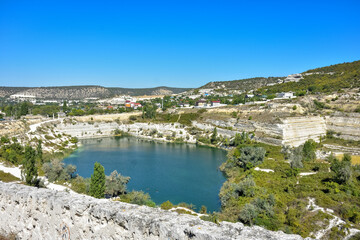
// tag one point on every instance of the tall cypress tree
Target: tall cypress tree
(39, 152)
(214, 136)
(97, 183)
(29, 171)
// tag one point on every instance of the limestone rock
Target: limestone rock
(33, 213)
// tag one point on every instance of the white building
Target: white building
(286, 95)
(215, 103)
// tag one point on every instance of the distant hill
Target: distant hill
(7, 91)
(147, 91)
(81, 92)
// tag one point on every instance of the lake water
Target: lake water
(167, 171)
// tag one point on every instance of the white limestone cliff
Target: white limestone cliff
(32, 213)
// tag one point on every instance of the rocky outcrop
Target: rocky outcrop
(32, 213)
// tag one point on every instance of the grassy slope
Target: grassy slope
(7, 177)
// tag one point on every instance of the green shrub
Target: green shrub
(115, 184)
(74, 140)
(166, 205)
(49, 137)
(138, 197)
(132, 118)
(250, 157)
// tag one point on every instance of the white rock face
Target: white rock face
(86, 130)
(348, 127)
(292, 131)
(298, 130)
(33, 213)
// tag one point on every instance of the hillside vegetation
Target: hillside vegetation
(326, 79)
(243, 84)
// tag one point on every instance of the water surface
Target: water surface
(167, 171)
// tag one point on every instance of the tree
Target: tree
(342, 169)
(245, 188)
(309, 150)
(39, 152)
(24, 109)
(296, 158)
(250, 157)
(116, 184)
(29, 171)
(241, 138)
(214, 136)
(248, 214)
(65, 108)
(149, 111)
(55, 170)
(97, 183)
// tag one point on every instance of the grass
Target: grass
(341, 142)
(355, 159)
(7, 177)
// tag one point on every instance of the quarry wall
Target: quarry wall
(297, 130)
(345, 126)
(292, 131)
(32, 213)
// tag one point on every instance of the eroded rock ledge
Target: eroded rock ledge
(33, 213)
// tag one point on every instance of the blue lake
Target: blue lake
(167, 171)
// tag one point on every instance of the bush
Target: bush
(248, 213)
(55, 171)
(139, 198)
(80, 185)
(342, 169)
(49, 137)
(116, 184)
(250, 157)
(296, 158)
(246, 188)
(74, 140)
(132, 118)
(309, 150)
(166, 205)
(203, 209)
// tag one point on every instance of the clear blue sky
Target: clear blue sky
(174, 42)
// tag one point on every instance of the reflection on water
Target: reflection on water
(167, 171)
